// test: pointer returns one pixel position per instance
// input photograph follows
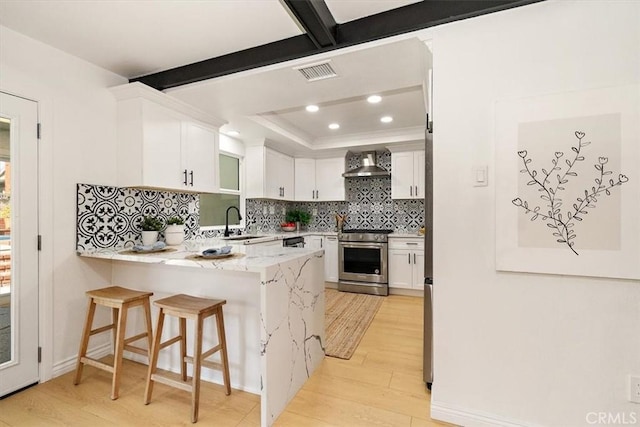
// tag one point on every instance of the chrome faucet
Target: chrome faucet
(226, 220)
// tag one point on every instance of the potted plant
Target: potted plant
(150, 226)
(299, 217)
(174, 233)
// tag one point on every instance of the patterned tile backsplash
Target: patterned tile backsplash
(368, 205)
(108, 217)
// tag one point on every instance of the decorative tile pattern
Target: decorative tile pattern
(368, 204)
(109, 217)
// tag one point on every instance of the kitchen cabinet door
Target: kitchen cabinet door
(313, 242)
(287, 177)
(400, 268)
(329, 180)
(407, 175)
(200, 158)
(331, 259)
(418, 270)
(272, 180)
(278, 177)
(159, 137)
(305, 180)
(158, 151)
(402, 175)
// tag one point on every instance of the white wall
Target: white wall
(78, 117)
(533, 349)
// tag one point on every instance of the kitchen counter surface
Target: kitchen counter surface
(256, 259)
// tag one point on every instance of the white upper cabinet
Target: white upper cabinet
(164, 143)
(319, 180)
(407, 175)
(269, 174)
(200, 158)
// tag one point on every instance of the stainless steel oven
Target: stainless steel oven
(363, 261)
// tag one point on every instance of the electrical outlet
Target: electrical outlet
(284, 210)
(634, 388)
(264, 210)
(192, 207)
(314, 212)
(272, 210)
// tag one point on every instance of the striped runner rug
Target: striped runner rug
(347, 318)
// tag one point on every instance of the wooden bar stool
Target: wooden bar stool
(188, 307)
(120, 300)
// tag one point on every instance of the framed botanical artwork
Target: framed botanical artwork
(568, 183)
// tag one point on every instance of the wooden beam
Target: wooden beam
(317, 20)
(424, 14)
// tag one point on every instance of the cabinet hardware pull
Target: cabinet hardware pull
(416, 191)
(185, 177)
(191, 175)
(411, 190)
(409, 258)
(412, 243)
(414, 258)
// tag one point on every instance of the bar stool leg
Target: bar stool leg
(115, 314)
(183, 348)
(197, 364)
(117, 363)
(153, 359)
(148, 323)
(223, 350)
(84, 343)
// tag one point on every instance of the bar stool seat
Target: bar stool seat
(120, 300)
(189, 307)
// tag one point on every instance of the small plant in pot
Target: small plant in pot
(298, 217)
(174, 233)
(150, 226)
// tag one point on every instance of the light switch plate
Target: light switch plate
(272, 210)
(480, 177)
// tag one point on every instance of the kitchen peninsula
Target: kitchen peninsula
(274, 316)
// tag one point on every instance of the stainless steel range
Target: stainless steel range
(363, 261)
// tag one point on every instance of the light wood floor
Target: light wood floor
(381, 385)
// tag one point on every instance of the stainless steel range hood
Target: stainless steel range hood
(368, 168)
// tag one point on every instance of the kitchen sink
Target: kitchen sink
(244, 237)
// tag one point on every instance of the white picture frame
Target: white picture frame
(530, 133)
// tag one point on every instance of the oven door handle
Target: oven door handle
(363, 245)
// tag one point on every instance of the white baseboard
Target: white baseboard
(406, 292)
(470, 418)
(69, 364)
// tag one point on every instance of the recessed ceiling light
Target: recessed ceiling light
(386, 119)
(233, 133)
(374, 99)
(334, 126)
(312, 108)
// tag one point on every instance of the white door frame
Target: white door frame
(23, 367)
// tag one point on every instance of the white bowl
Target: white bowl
(292, 228)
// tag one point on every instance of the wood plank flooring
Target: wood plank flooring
(380, 385)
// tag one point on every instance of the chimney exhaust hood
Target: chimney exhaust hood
(368, 168)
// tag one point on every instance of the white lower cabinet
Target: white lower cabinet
(331, 259)
(330, 246)
(406, 263)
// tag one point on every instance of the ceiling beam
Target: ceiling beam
(317, 20)
(424, 14)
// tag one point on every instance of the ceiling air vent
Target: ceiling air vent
(318, 71)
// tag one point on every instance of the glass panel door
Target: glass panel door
(18, 243)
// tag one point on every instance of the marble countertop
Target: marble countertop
(256, 258)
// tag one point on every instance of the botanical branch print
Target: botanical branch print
(551, 185)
